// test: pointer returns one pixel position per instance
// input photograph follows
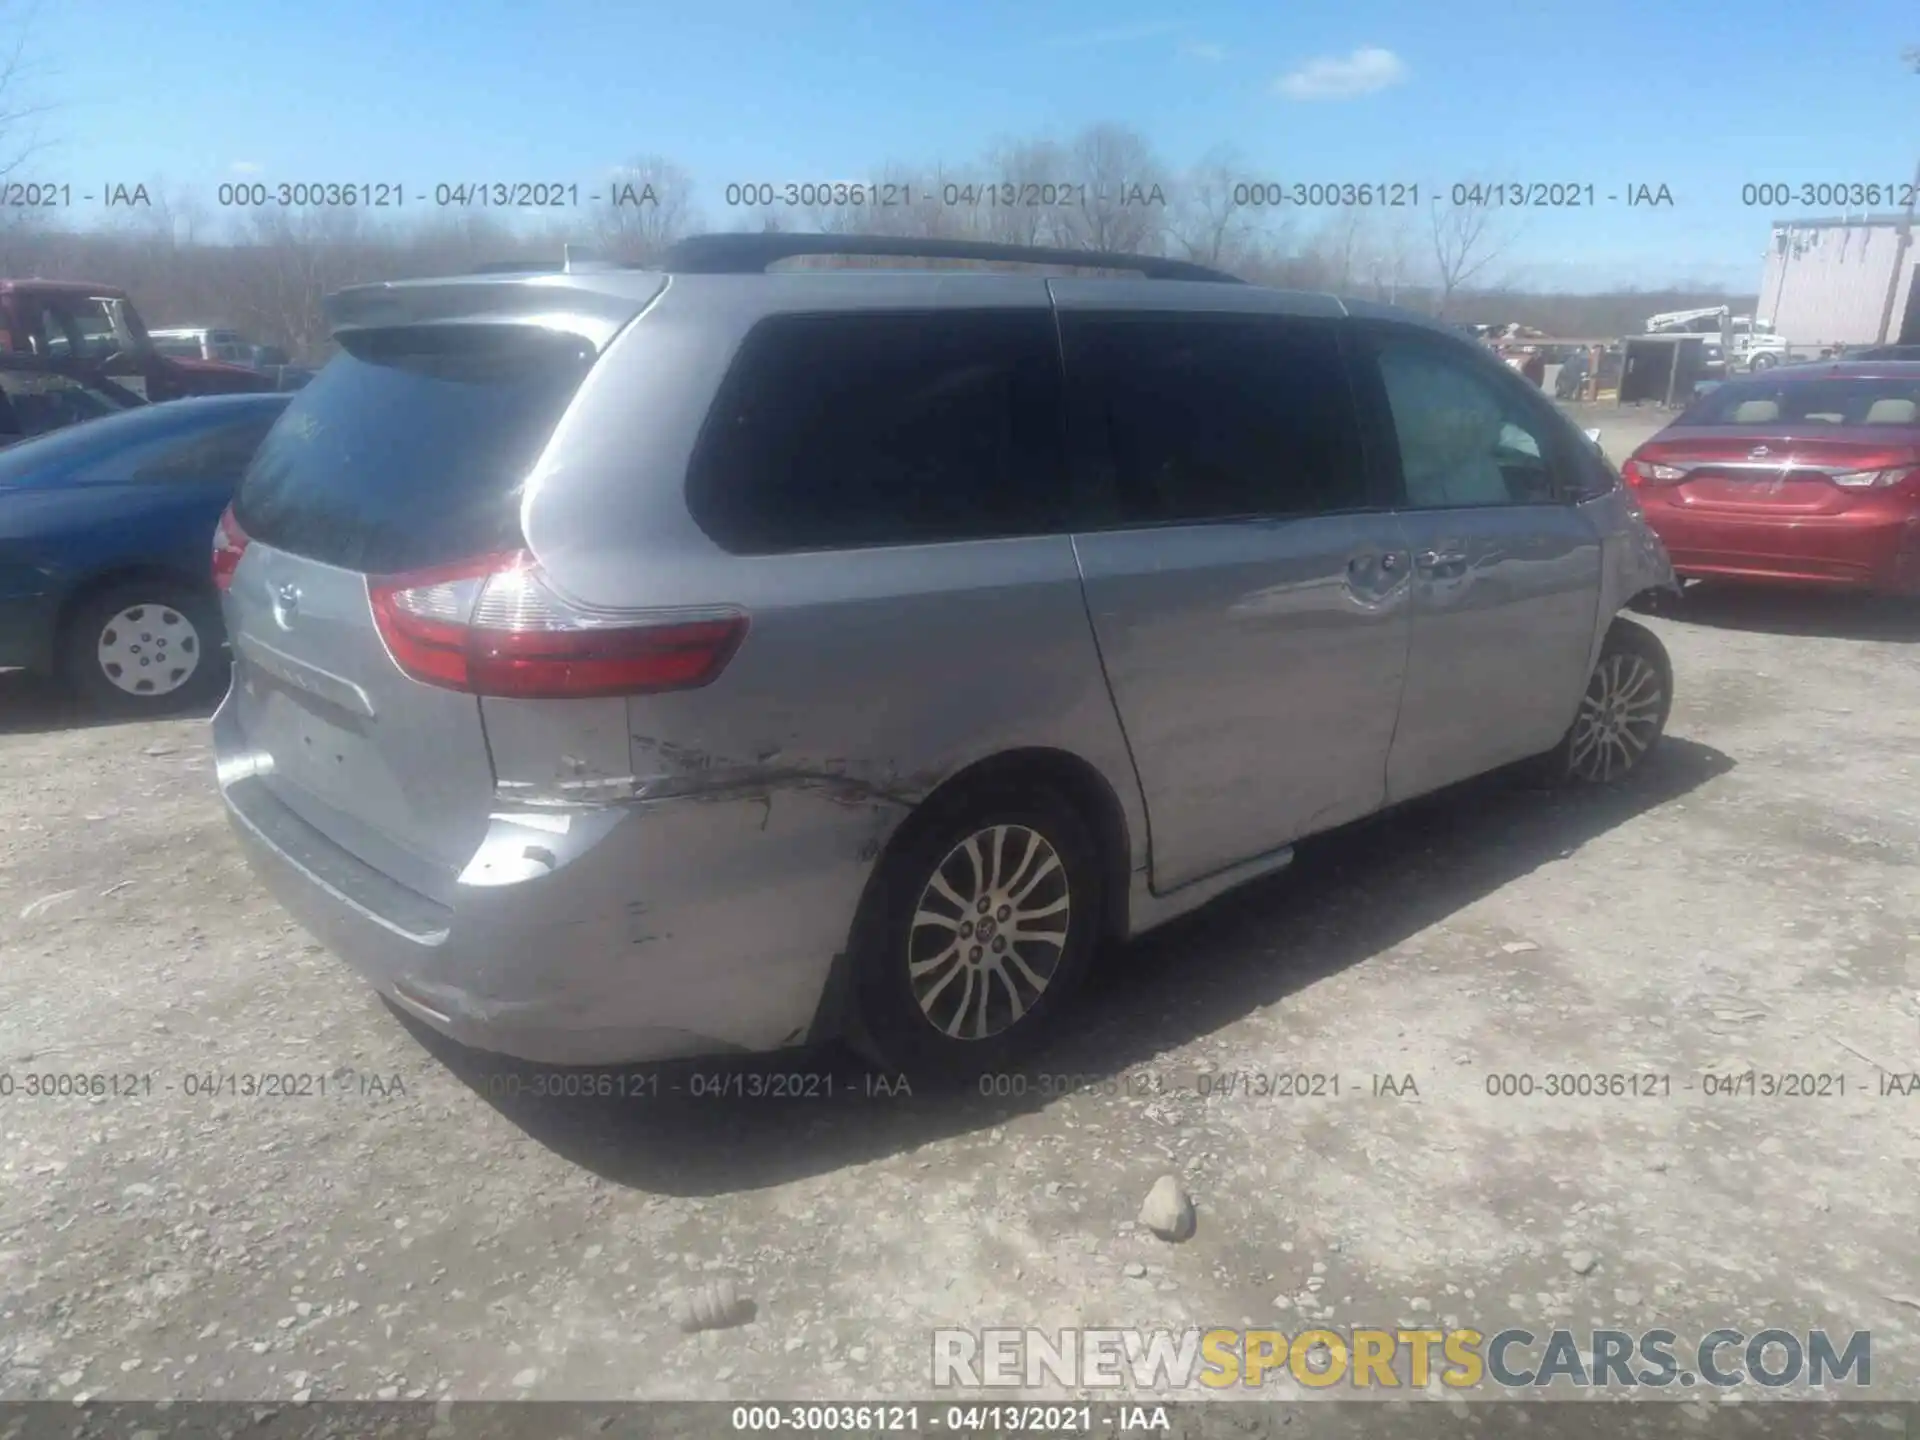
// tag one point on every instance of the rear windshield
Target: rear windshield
(1831, 400)
(412, 446)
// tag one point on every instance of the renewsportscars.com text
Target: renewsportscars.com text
(1361, 1357)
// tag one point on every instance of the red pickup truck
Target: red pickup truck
(94, 330)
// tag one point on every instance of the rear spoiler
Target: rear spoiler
(554, 302)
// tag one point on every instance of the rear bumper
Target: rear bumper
(1860, 550)
(598, 936)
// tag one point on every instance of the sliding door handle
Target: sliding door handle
(1441, 564)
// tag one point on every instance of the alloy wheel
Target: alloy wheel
(1619, 717)
(989, 932)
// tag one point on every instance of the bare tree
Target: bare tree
(1211, 222)
(269, 271)
(1390, 259)
(20, 138)
(296, 259)
(945, 206)
(1019, 173)
(1117, 177)
(649, 205)
(1465, 242)
(1346, 240)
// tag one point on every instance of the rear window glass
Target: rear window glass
(412, 447)
(1834, 400)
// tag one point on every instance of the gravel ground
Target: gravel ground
(418, 1231)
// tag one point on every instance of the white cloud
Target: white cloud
(1200, 50)
(1364, 72)
(245, 167)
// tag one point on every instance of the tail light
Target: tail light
(1873, 479)
(1642, 473)
(493, 627)
(229, 543)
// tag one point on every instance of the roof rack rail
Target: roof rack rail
(749, 254)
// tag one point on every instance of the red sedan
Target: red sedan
(1804, 474)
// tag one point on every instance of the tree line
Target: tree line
(266, 270)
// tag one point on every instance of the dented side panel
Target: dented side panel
(1633, 561)
(763, 801)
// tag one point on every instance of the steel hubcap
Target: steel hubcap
(149, 650)
(1619, 718)
(989, 932)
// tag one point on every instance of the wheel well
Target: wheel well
(1084, 787)
(1652, 596)
(96, 585)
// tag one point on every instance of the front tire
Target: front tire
(978, 927)
(1622, 715)
(145, 647)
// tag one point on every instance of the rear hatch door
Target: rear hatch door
(409, 451)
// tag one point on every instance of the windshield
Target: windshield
(1829, 401)
(35, 402)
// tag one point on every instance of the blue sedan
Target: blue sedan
(106, 540)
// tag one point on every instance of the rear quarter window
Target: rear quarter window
(412, 447)
(892, 428)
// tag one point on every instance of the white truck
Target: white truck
(1755, 346)
(1750, 344)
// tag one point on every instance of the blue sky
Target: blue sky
(1699, 95)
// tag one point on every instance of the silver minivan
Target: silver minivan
(643, 663)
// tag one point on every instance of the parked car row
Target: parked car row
(94, 333)
(233, 348)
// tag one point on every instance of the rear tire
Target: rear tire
(977, 928)
(145, 647)
(1623, 712)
